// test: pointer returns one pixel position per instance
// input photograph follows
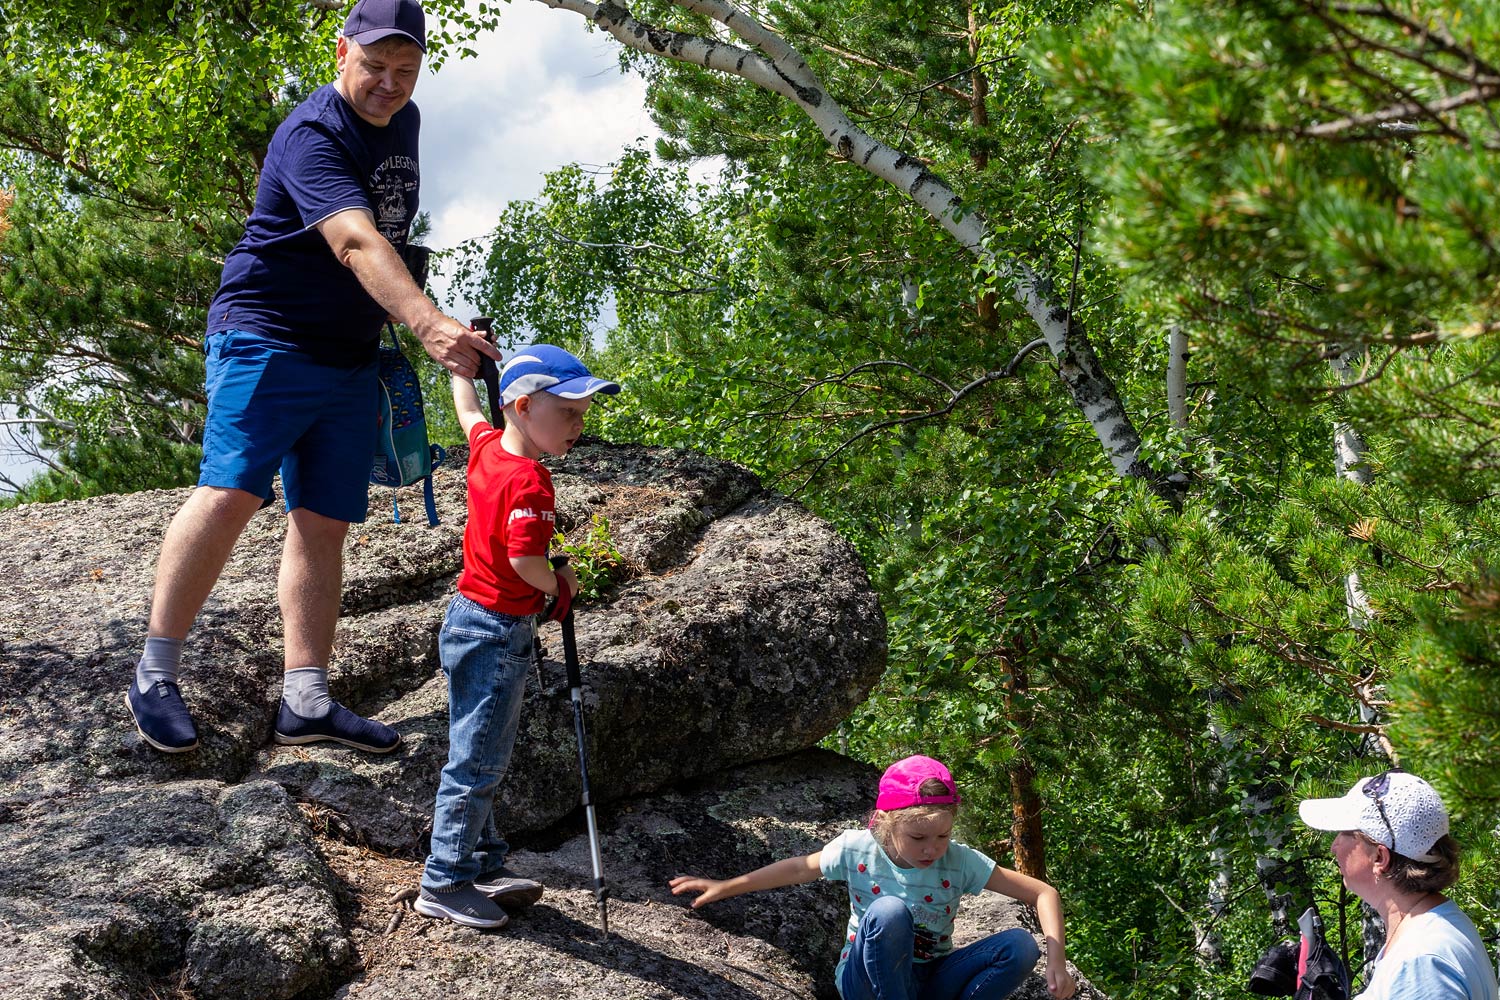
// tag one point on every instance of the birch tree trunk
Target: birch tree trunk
(1208, 945)
(1259, 804)
(1349, 463)
(979, 114)
(1177, 359)
(769, 62)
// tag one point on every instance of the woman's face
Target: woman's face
(1359, 862)
(917, 843)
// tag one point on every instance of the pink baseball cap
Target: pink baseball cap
(901, 785)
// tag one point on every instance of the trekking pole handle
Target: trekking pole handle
(570, 642)
(488, 371)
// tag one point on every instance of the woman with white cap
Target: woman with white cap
(1394, 852)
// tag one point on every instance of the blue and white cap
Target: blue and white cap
(545, 367)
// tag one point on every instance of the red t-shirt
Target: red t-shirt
(511, 513)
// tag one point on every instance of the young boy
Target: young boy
(486, 641)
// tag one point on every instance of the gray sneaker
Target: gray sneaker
(464, 905)
(510, 890)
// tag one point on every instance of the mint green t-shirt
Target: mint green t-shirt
(932, 894)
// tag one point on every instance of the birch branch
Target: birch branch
(772, 64)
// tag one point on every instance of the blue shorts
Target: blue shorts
(269, 406)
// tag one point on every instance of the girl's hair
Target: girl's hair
(1420, 877)
(883, 821)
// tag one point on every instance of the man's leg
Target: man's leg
(310, 586)
(193, 553)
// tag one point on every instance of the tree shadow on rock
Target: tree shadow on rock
(555, 930)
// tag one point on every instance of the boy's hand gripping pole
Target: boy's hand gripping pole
(488, 370)
(575, 685)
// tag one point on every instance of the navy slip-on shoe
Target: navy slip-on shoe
(161, 717)
(464, 905)
(339, 725)
(510, 890)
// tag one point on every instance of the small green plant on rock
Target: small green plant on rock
(594, 558)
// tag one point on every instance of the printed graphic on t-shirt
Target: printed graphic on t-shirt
(529, 514)
(932, 895)
(391, 183)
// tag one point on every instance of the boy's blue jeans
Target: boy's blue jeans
(485, 656)
(880, 965)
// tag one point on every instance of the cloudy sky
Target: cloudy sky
(544, 91)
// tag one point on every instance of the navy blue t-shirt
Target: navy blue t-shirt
(282, 280)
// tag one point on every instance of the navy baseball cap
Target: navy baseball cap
(372, 20)
(542, 367)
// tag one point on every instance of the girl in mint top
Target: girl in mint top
(905, 881)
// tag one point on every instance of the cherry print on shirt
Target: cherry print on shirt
(947, 884)
(857, 899)
(875, 889)
(927, 899)
(947, 909)
(861, 866)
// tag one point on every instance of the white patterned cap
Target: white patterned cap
(1396, 809)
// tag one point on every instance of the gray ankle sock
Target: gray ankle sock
(305, 691)
(162, 661)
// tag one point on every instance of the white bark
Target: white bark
(1177, 359)
(771, 63)
(1209, 945)
(1349, 463)
(1266, 825)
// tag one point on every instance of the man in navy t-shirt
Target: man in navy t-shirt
(292, 346)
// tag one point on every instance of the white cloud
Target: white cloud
(543, 91)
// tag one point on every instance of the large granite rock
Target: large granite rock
(120, 865)
(741, 629)
(196, 884)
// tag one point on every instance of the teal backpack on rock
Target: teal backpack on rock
(403, 455)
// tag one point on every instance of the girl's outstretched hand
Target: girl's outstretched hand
(708, 889)
(1060, 982)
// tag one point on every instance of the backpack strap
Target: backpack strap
(438, 455)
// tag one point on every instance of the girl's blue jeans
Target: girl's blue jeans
(486, 656)
(880, 965)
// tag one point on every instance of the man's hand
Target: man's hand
(453, 345)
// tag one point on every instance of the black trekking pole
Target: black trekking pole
(488, 369)
(575, 684)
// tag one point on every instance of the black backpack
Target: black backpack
(1305, 969)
